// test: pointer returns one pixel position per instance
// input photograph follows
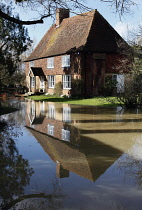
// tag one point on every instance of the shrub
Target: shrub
(109, 87)
(76, 90)
(58, 89)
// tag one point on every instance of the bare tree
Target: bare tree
(46, 8)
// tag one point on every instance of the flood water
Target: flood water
(60, 156)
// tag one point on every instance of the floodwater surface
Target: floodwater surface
(60, 156)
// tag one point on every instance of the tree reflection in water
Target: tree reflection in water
(15, 173)
(131, 163)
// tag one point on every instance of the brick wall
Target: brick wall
(89, 67)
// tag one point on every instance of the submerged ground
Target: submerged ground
(62, 156)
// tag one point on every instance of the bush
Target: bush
(58, 89)
(132, 95)
(109, 87)
(76, 91)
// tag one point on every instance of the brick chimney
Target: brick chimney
(61, 14)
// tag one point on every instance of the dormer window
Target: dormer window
(50, 63)
(66, 61)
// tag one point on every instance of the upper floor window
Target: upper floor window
(51, 81)
(66, 135)
(50, 63)
(66, 61)
(66, 81)
(31, 64)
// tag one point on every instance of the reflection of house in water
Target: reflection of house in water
(35, 113)
(84, 141)
(51, 121)
(88, 162)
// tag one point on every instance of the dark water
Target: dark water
(59, 156)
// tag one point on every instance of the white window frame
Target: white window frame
(32, 81)
(51, 81)
(119, 78)
(50, 129)
(66, 135)
(66, 61)
(51, 111)
(66, 114)
(66, 81)
(50, 63)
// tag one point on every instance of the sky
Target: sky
(130, 20)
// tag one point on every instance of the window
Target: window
(66, 81)
(120, 83)
(32, 81)
(66, 114)
(65, 135)
(51, 81)
(50, 129)
(33, 108)
(42, 107)
(66, 61)
(50, 63)
(51, 111)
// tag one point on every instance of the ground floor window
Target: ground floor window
(66, 114)
(66, 81)
(114, 84)
(51, 111)
(32, 81)
(51, 81)
(119, 81)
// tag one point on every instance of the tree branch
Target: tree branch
(21, 22)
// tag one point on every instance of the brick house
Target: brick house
(78, 52)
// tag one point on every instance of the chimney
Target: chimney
(61, 14)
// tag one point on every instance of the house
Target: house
(75, 55)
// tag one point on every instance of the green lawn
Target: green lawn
(96, 101)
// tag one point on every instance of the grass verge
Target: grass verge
(96, 101)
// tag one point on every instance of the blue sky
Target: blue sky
(36, 32)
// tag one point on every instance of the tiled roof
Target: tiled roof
(77, 160)
(86, 32)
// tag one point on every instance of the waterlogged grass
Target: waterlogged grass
(96, 101)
